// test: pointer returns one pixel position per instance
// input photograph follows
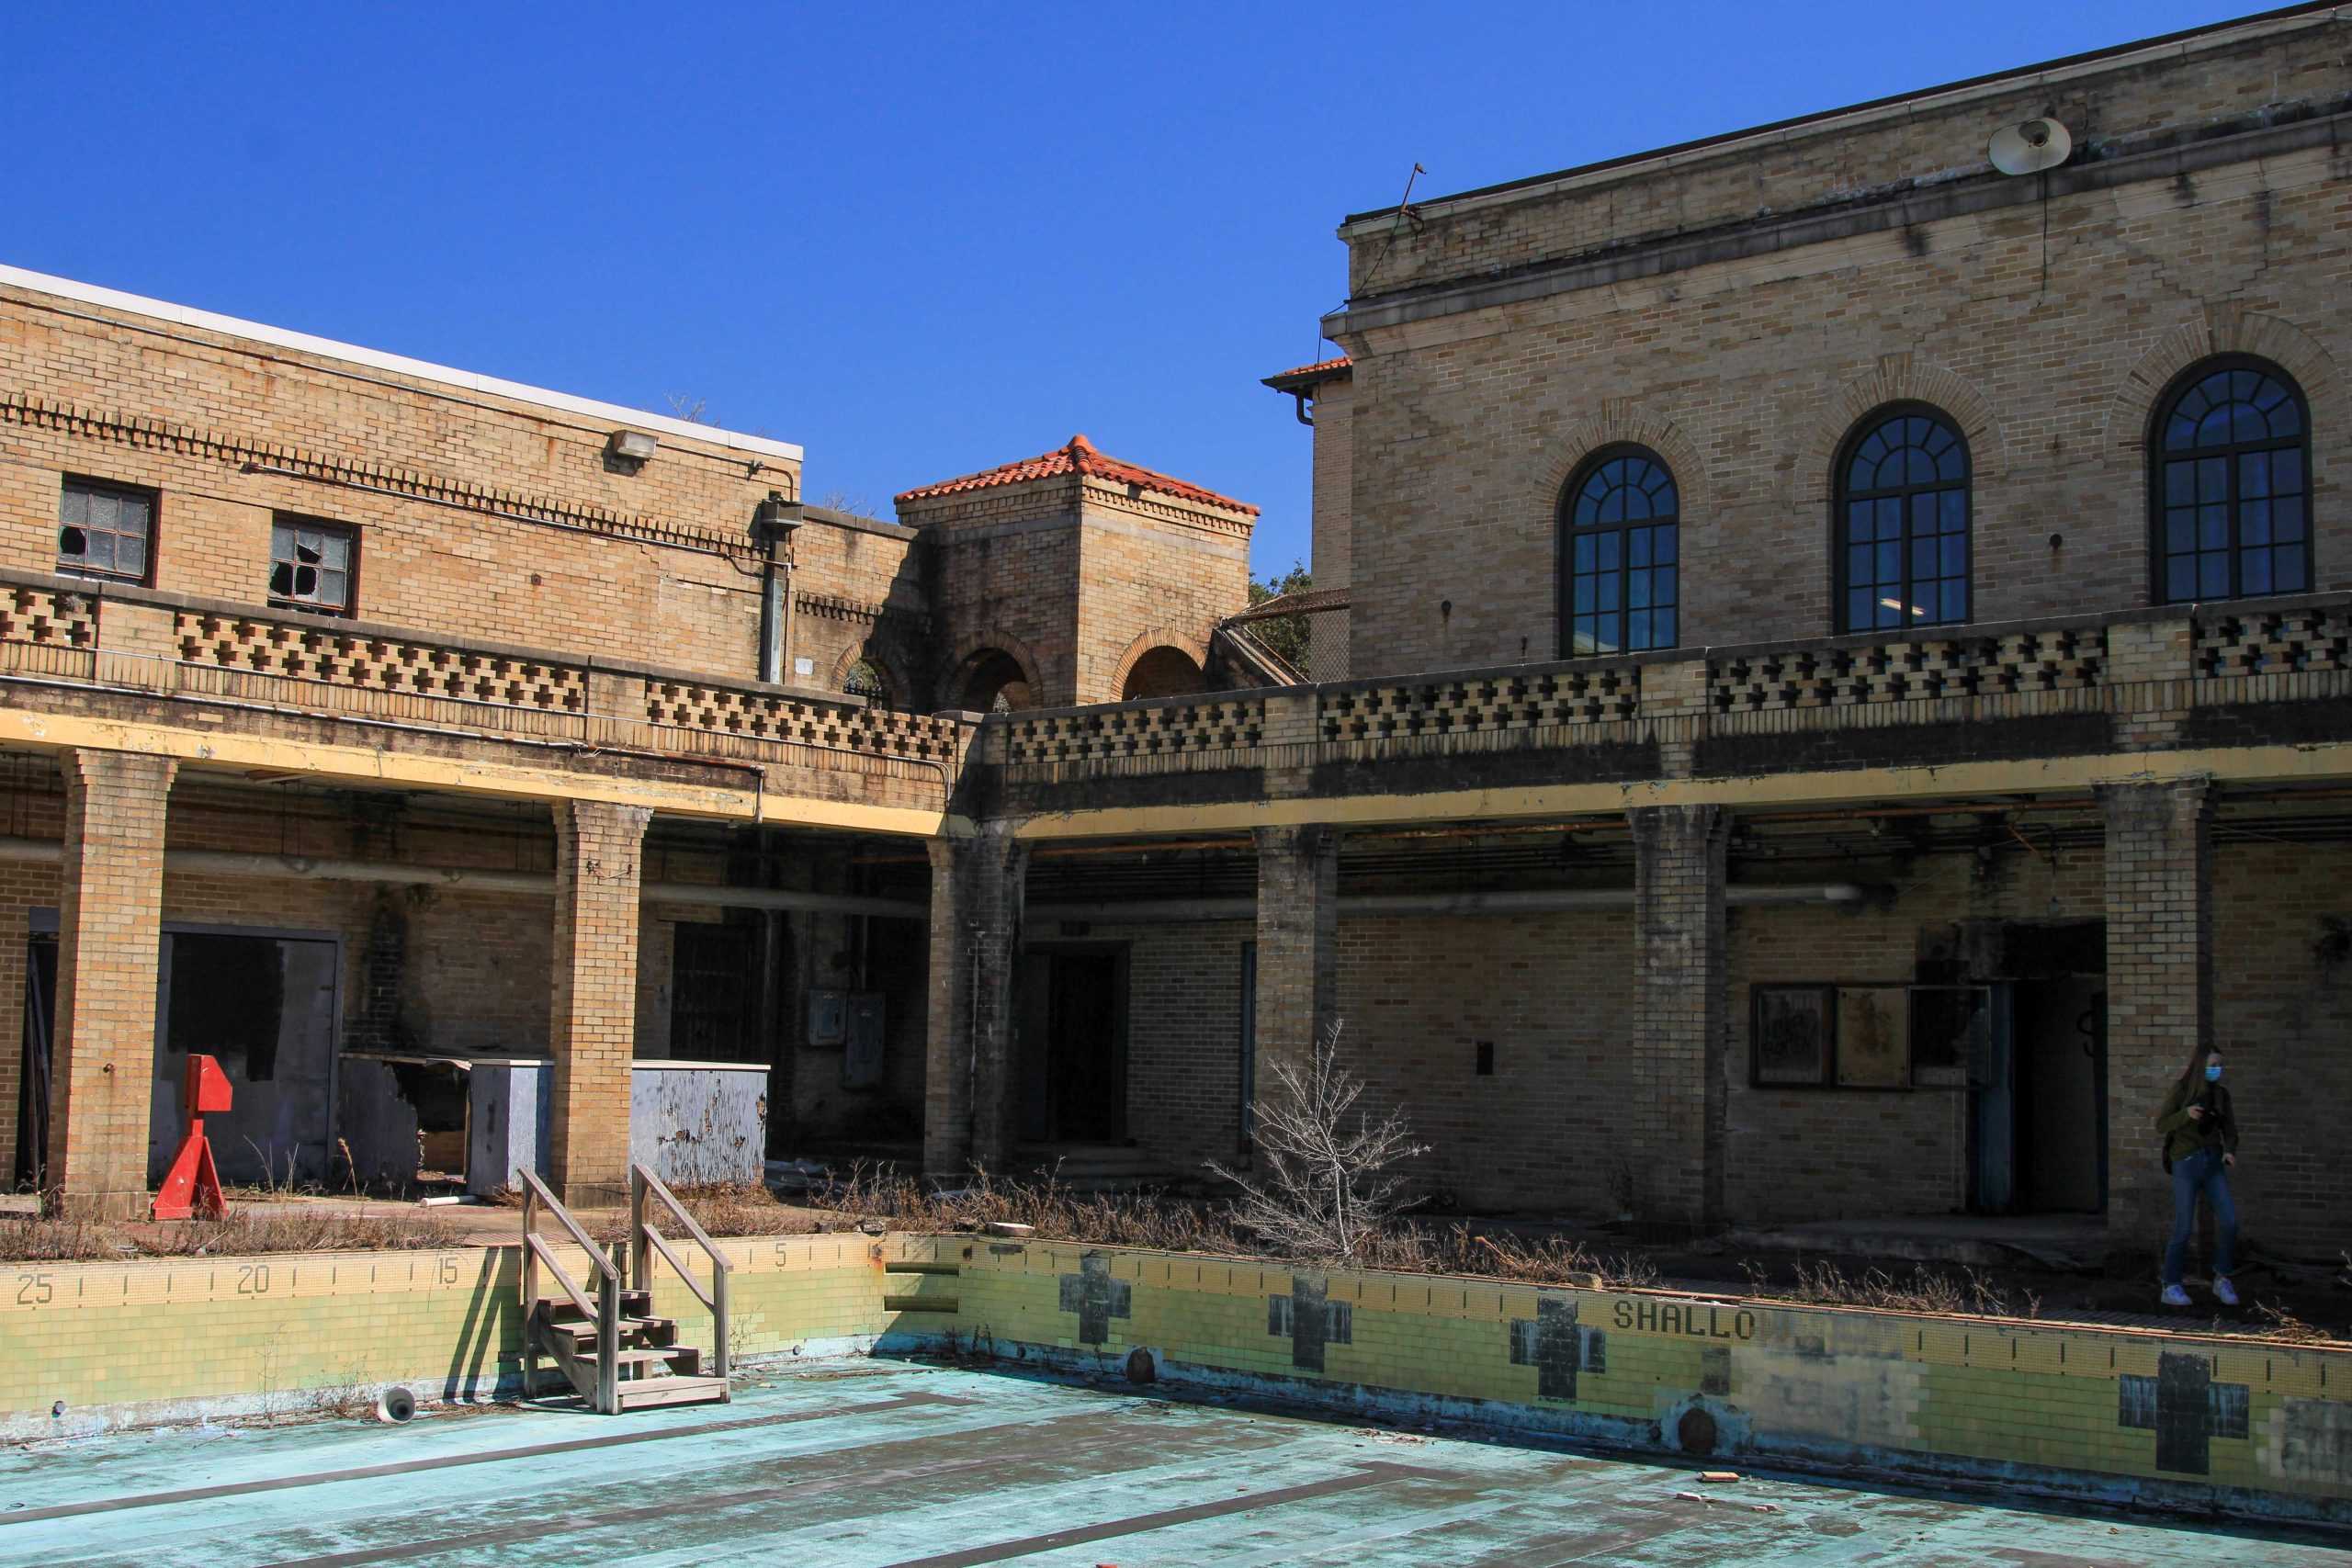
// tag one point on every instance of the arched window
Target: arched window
(2232, 484)
(1620, 546)
(1903, 523)
(864, 678)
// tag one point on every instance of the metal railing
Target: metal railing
(644, 1241)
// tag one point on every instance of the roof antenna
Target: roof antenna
(1405, 215)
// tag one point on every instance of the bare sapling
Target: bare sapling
(1325, 1183)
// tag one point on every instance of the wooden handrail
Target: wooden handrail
(679, 1264)
(642, 1182)
(563, 1216)
(545, 1254)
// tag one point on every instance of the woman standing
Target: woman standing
(2200, 1135)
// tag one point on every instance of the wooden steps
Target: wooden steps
(602, 1334)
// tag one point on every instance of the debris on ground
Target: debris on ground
(1381, 1435)
(1719, 1476)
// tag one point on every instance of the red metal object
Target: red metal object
(193, 1185)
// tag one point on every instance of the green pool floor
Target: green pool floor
(861, 1464)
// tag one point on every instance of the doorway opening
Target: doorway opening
(1071, 1043)
(2036, 1083)
(263, 1004)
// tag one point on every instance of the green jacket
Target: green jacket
(2184, 1134)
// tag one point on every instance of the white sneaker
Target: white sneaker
(2225, 1292)
(2175, 1296)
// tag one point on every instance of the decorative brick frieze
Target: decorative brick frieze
(155, 435)
(1164, 729)
(2060, 658)
(315, 651)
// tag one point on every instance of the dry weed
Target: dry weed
(278, 1228)
(1925, 1290)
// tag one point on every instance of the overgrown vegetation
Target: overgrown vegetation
(1923, 1289)
(278, 1228)
(1287, 636)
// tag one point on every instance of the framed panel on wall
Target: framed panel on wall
(1791, 1035)
(1873, 1035)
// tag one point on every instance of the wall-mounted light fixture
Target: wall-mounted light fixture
(631, 446)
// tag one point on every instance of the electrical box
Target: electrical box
(828, 1017)
(862, 1062)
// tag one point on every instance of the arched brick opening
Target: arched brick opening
(1161, 663)
(992, 672)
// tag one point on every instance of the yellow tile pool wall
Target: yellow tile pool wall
(173, 1338)
(1842, 1386)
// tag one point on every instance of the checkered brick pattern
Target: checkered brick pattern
(1583, 694)
(2058, 660)
(45, 619)
(763, 716)
(1170, 729)
(2291, 642)
(302, 650)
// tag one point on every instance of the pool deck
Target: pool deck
(861, 1463)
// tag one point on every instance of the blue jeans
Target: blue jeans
(2201, 1172)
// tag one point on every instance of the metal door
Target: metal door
(1992, 1103)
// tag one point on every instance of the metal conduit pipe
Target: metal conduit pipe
(1539, 901)
(303, 868)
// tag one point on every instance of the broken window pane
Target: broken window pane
(104, 531)
(311, 566)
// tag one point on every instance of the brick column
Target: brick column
(110, 922)
(2159, 980)
(592, 1017)
(1673, 1124)
(1298, 943)
(977, 886)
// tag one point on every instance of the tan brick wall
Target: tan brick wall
(2159, 969)
(1333, 557)
(592, 1005)
(110, 921)
(1746, 373)
(1147, 582)
(1672, 1120)
(976, 887)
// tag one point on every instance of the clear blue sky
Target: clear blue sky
(918, 239)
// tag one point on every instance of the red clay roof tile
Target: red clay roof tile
(1079, 456)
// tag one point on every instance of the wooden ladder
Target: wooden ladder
(611, 1348)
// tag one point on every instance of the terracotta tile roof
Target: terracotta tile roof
(1300, 377)
(1079, 456)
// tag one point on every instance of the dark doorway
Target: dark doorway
(264, 1006)
(2062, 1095)
(32, 1088)
(1072, 1018)
(714, 993)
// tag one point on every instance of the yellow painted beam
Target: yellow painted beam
(404, 769)
(2314, 763)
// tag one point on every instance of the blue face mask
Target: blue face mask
(2212, 1072)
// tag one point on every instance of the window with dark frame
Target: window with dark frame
(106, 530)
(1902, 519)
(313, 565)
(1621, 554)
(2232, 484)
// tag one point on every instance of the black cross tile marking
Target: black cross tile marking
(1309, 1320)
(1550, 1344)
(1096, 1298)
(2184, 1414)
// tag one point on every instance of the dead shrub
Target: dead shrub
(1924, 1289)
(1324, 1187)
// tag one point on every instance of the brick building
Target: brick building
(373, 722)
(1832, 668)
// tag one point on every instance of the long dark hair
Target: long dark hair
(2191, 1075)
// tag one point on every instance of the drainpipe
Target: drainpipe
(1534, 901)
(772, 521)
